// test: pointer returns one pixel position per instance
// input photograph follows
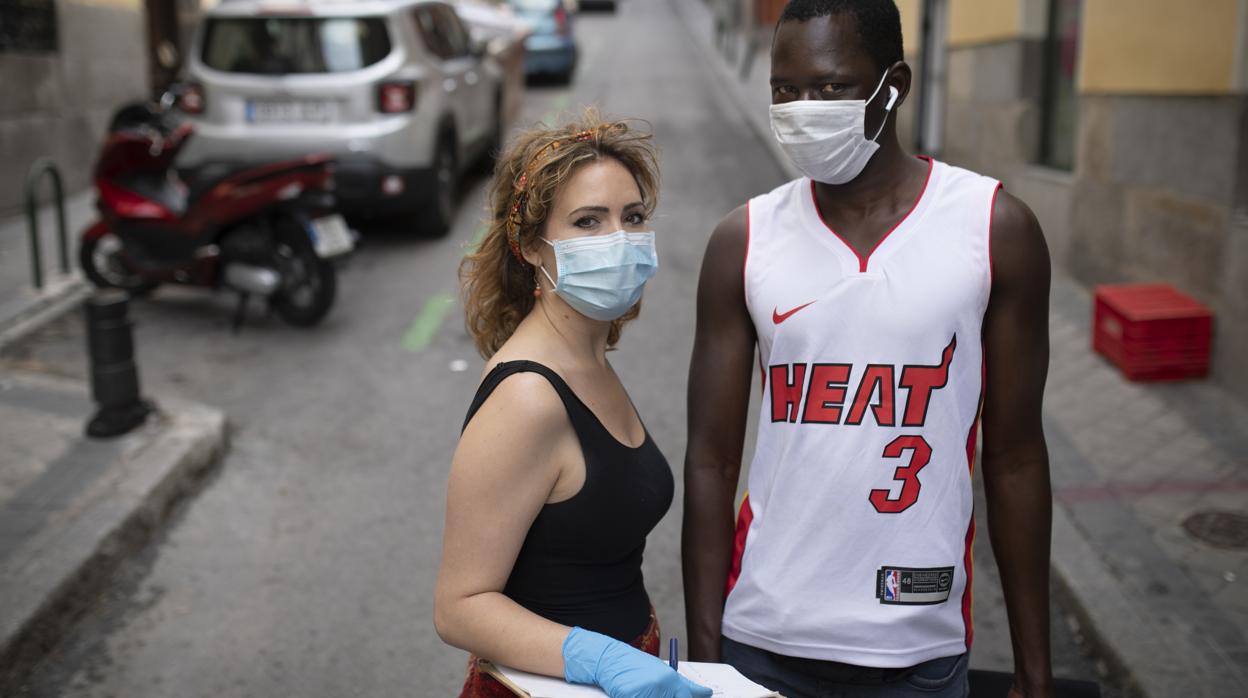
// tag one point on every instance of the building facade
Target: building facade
(65, 65)
(1123, 123)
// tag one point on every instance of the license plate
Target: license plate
(331, 237)
(313, 112)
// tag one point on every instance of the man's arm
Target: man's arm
(1015, 459)
(718, 403)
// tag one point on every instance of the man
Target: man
(890, 299)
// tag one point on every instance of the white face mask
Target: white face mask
(826, 138)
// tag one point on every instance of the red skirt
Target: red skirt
(481, 685)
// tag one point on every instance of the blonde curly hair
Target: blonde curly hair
(497, 283)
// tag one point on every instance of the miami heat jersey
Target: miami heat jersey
(854, 541)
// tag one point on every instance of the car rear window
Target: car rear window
(284, 45)
(532, 7)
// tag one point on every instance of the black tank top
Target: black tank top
(580, 563)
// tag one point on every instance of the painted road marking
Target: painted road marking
(475, 242)
(426, 325)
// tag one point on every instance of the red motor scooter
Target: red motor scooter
(268, 230)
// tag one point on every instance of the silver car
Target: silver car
(396, 89)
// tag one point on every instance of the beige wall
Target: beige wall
(911, 24)
(1158, 47)
(1241, 47)
(912, 40)
(58, 104)
(983, 21)
(1143, 47)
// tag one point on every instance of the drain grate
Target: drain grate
(1223, 529)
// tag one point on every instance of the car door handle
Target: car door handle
(450, 84)
(471, 78)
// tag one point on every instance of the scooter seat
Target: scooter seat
(200, 180)
(160, 187)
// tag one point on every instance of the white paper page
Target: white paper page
(540, 686)
(724, 680)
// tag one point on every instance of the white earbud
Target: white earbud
(892, 98)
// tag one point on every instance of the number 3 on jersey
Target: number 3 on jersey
(908, 475)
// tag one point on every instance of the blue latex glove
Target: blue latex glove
(621, 670)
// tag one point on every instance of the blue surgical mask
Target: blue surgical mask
(602, 276)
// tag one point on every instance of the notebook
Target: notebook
(724, 680)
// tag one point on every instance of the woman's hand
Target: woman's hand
(621, 670)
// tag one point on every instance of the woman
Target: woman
(556, 483)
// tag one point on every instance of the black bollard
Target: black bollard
(114, 376)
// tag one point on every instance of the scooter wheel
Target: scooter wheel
(105, 267)
(309, 283)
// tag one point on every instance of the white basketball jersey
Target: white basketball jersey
(854, 541)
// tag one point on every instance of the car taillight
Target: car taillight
(396, 97)
(191, 100)
(561, 19)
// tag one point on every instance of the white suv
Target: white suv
(396, 89)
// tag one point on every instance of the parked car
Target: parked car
(395, 89)
(495, 24)
(550, 49)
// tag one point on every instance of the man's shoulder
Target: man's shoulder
(1017, 244)
(955, 174)
(1014, 222)
(764, 207)
(782, 192)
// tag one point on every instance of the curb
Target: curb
(64, 571)
(62, 297)
(1078, 573)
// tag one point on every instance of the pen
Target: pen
(671, 653)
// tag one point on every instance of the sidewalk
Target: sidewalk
(21, 306)
(1130, 464)
(71, 508)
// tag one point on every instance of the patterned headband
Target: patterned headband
(516, 217)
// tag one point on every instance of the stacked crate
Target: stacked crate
(1152, 331)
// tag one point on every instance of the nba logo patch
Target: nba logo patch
(913, 586)
(892, 583)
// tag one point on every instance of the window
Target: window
(1059, 108)
(285, 45)
(450, 26)
(28, 26)
(442, 31)
(534, 6)
(435, 42)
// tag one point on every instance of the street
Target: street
(306, 564)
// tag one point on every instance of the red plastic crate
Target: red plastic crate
(1152, 331)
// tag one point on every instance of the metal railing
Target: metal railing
(41, 168)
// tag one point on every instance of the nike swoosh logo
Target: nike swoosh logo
(777, 317)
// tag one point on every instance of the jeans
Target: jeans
(795, 677)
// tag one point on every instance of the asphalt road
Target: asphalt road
(306, 565)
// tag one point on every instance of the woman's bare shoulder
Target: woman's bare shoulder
(524, 406)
